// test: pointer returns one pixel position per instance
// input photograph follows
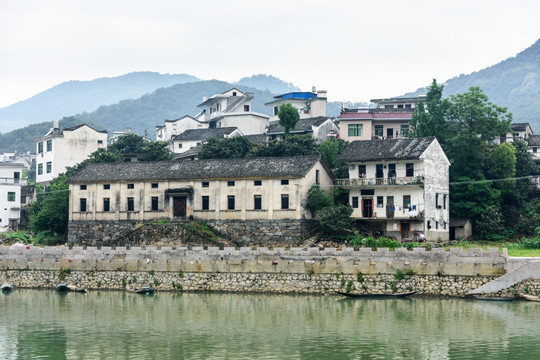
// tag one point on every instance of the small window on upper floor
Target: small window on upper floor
(49, 145)
(257, 182)
(230, 183)
(388, 106)
(106, 186)
(100, 142)
(234, 93)
(205, 184)
(131, 186)
(40, 147)
(400, 106)
(155, 185)
(83, 187)
(246, 108)
(285, 182)
(179, 146)
(408, 106)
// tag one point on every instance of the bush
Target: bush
(336, 219)
(317, 199)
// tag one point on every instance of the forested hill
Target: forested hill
(514, 83)
(73, 97)
(268, 82)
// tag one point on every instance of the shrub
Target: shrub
(399, 275)
(410, 245)
(336, 219)
(317, 199)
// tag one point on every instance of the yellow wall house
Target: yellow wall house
(213, 189)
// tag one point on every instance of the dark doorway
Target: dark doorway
(405, 229)
(179, 208)
(367, 208)
(389, 133)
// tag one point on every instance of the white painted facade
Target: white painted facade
(62, 148)
(10, 194)
(181, 146)
(172, 128)
(307, 108)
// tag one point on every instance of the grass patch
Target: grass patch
(516, 249)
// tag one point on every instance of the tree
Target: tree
(429, 117)
(330, 149)
(128, 144)
(50, 211)
(288, 118)
(235, 147)
(317, 199)
(336, 219)
(156, 151)
(291, 146)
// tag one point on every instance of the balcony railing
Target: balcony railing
(13, 181)
(392, 181)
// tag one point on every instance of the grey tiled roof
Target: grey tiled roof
(534, 140)
(393, 149)
(257, 139)
(203, 134)
(519, 126)
(256, 167)
(304, 125)
(81, 125)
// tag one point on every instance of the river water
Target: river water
(41, 324)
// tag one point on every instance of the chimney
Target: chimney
(313, 88)
(56, 125)
(321, 93)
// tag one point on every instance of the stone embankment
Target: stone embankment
(279, 270)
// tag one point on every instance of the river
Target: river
(42, 324)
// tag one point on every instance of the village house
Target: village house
(232, 108)
(321, 128)
(214, 189)
(59, 149)
(195, 137)
(519, 131)
(11, 183)
(387, 119)
(401, 183)
(172, 128)
(309, 104)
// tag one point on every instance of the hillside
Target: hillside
(73, 97)
(267, 82)
(513, 83)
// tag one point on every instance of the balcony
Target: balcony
(13, 181)
(393, 181)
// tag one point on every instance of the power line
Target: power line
(493, 180)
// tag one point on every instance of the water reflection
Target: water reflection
(45, 324)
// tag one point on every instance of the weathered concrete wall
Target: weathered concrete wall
(241, 232)
(454, 272)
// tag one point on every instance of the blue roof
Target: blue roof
(297, 95)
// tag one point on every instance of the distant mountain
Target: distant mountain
(268, 82)
(78, 96)
(513, 83)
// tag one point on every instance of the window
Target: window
(355, 129)
(179, 146)
(390, 133)
(316, 176)
(257, 182)
(367, 192)
(49, 167)
(284, 201)
(83, 187)
(40, 169)
(154, 203)
(388, 106)
(106, 186)
(23, 199)
(49, 145)
(100, 142)
(154, 185)
(206, 202)
(284, 182)
(535, 150)
(230, 183)
(130, 204)
(246, 108)
(257, 202)
(444, 203)
(400, 106)
(199, 144)
(106, 204)
(83, 204)
(355, 202)
(131, 186)
(403, 130)
(40, 147)
(409, 169)
(379, 131)
(406, 201)
(11, 196)
(276, 110)
(205, 184)
(408, 106)
(230, 202)
(380, 201)
(361, 171)
(234, 93)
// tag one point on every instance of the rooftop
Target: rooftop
(534, 140)
(255, 167)
(304, 125)
(203, 134)
(395, 149)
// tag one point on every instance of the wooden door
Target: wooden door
(179, 207)
(405, 229)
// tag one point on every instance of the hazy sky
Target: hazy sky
(357, 50)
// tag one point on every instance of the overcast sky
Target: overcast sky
(357, 50)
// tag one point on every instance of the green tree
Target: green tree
(292, 146)
(330, 149)
(429, 116)
(155, 151)
(336, 219)
(128, 144)
(235, 147)
(50, 211)
(288, 118)
(318, 199)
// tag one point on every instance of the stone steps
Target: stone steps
(529, 270)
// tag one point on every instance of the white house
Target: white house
(321, 128)
(213, 189)
(403, 183)
(519, 131)
(195, 137)
(59, 149)
(10, 194)
(309, 104)
(232, 108)
(386, 119)
(171, 128)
